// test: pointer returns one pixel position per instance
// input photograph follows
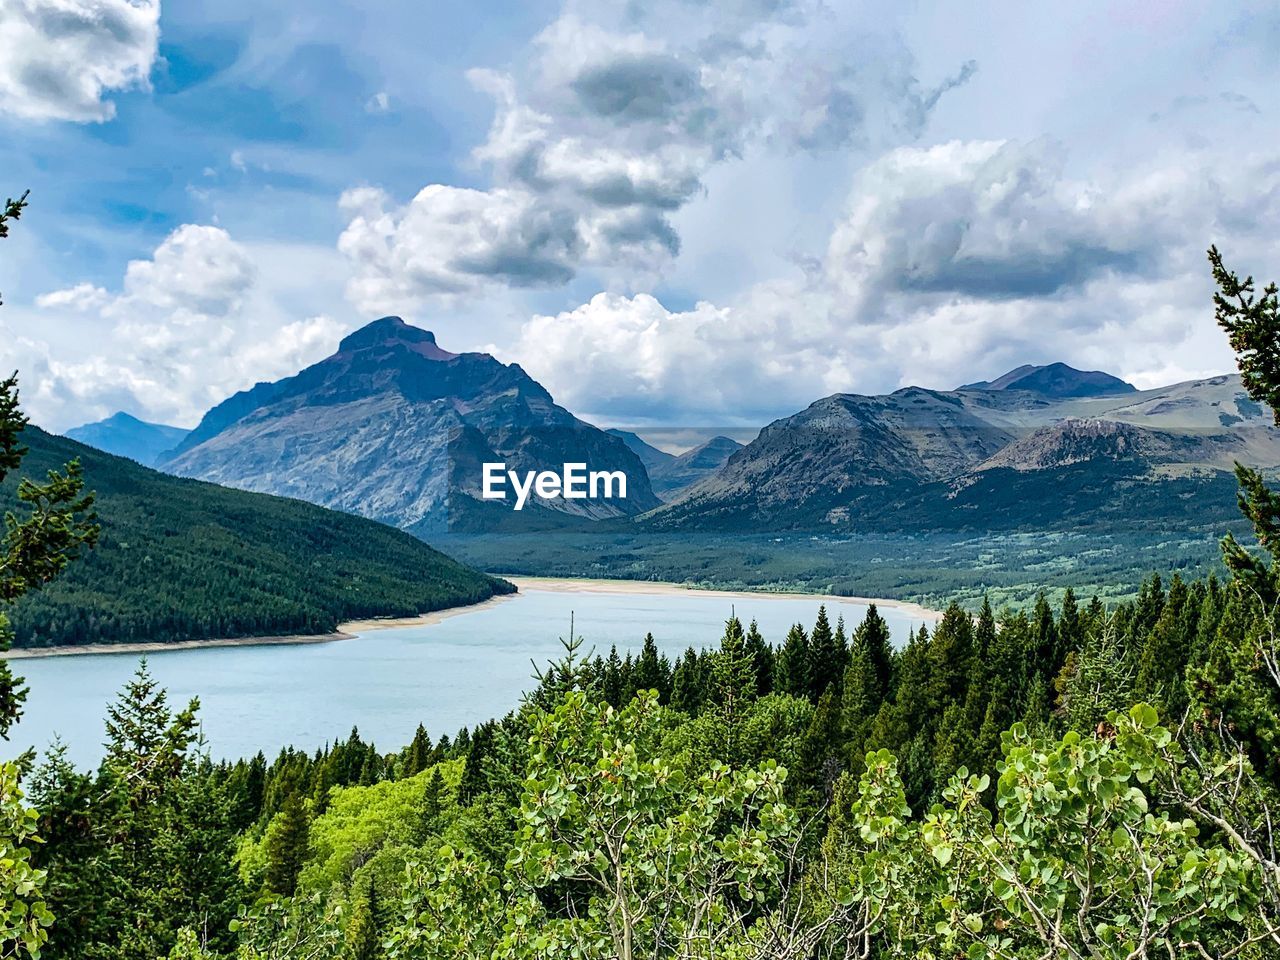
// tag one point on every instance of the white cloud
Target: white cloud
(197, 270)
(611, 127)
(200, 318)
(60, 59)
(951, 263)
(380, 102)
(83, 296)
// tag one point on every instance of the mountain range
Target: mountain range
(984, 458)
(394, 427)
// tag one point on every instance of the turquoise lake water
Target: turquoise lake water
(458, 672)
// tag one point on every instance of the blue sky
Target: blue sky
(670, 212)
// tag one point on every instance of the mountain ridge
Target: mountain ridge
(1058, 380)
(125, 435)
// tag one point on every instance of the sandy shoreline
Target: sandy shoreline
(354, 628)
(657, 588)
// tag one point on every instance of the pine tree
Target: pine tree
(826, 665)
(1102, 682)
(950, 660)
(733, 680)
(652, 671)
(57, 522)
(611, 682)
(418, 756)
(688, 687)
(762, 656)
(822, 748)
(431, 807)
(474, 777)
(1070, 626)
(791, 671)
(286, 845)
(1163, 661)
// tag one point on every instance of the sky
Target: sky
(675, 212)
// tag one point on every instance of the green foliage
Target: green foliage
(1252, 324)
(1075, 859)
(12, 210)
(24, 917)
(144, 847)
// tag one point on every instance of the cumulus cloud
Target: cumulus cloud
(188, 325)
(60, 59)
(951, 262)
(609, 128)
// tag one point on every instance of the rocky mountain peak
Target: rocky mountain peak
(391, 332)
(1057, 380)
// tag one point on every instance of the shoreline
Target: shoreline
(668, 589)
(349, 630)
(353, 629)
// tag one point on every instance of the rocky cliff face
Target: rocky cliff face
(396, 428)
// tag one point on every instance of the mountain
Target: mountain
(395, 428)
(841, 457)
(670, 473)
(127, 436)
(988, 459)
(652, 458)
(180, 559)
(682, 471)
(1056, 380)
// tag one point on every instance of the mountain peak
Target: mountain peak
(125, 435)
(1056, 380)
(389, 331)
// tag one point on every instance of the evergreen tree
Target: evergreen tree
(688, 687)
(1163, 661)
(57, 521)
(363, 940)
(823, 744)
(826, 663)
(418, 757)
(791, 671)
(431, 807)
(950, 661)
(1100, 684)
(652, 671)
(762, 656)
(1070, 626)
(286, 845)
(611, 680)
(474, 779)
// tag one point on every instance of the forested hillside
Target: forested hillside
(180, 559)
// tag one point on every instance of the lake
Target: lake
(458, 672)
